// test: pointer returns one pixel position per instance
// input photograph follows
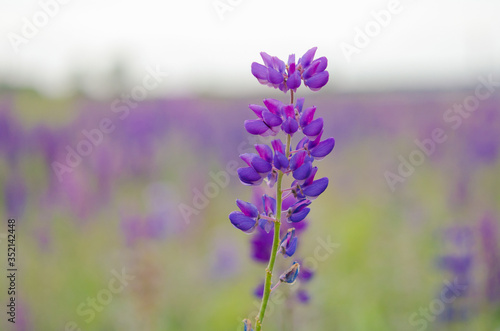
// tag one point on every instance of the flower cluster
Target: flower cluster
(272, 164)
(289, 76)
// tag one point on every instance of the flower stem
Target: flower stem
(276, 241)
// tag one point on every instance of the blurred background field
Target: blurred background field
(119, 209)
(131, 232)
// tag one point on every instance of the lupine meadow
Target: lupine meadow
(122, 214)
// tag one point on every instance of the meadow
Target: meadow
(123, 224)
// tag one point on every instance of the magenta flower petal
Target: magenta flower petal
(307, 116)
(300, 215)
(247, 208)
(303, 172)
(316, 188)
(314, 128)
(260, 72)
(256, 127)
(290, 126)
(271, 119)
(265, 152)
(248, 176)
(274, 76)
(308, 57)
(274, 106)
(323, 148)
(316, 82)
(268, 59)
(242, 222)
(257, 109)
(294, 80)
(261, 166)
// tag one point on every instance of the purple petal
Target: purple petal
(247, 208)
(261, 166)
(307, 116)
(303, 171)
(242, 222)
(323, 149)
(275, 77)
(299, 104)
(294, 80)
(271, 119)
(309, 180)
(301, 204)
(315, 142)
(265, 152)
(278, 146)
(301, 143)
(266, 225)
(314, 128)
(280, 161)
(311, 70)
(257, 109)
(260, 72)
(297, 159)
(290, 126)
(248, 157)
(291, 274)
(299, 216)
(279, 65)
(288, 111)
(291, 60)
(256, 127)
(268, 59)
(269, 204)
(274, 106)
(316, 188)
(316, 82)
(292, 246)
(323, 63)
(248, 176)
(308, 57)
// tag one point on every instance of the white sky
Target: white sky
(430, 43)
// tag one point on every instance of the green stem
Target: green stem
(274, 251)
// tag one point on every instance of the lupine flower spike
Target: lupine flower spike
(270, 164)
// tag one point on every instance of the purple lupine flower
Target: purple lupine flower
(246, 220)
(298, 211)
(310, 188)
(257, 169)
(269, 204)
(290, 275)
(291, 119)
(276, 74)
(288, 244)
